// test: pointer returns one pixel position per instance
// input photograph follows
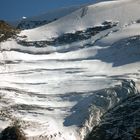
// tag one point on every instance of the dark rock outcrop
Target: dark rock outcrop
(119, 123)
(6, 31)
(12, 133)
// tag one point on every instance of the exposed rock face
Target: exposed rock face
(31, 24)
(69, 38)
(121, 122)
(105, 100)
(6, 31)
(12, 133)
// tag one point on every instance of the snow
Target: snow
(24, 17)
(98, 13)
(60, 92)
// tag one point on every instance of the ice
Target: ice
(60, 92)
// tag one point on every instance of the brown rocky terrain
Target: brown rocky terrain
(7, 31)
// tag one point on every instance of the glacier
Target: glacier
(59, 87)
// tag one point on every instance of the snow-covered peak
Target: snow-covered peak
(88, 16)
(45, 18)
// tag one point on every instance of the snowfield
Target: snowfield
(60, 91)
(88, 16)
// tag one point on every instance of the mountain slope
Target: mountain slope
(59, 79)
(36, 21)
(121, 122)
(50, 16)
(6, 31)
(89, 16)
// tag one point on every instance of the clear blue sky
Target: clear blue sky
(15, 9)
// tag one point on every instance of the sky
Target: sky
(16, 9)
